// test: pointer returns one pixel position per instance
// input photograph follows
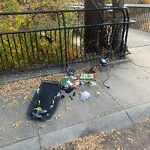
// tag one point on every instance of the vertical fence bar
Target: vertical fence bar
(68, 47)
(57, 54)
(10, 49)
(47, 50)
(18, 60)
(37, 49)
(5, 52)
(22, 52)
(32, 49)
(2, 62)
(64, 25)
(27, 50)
(60, 40)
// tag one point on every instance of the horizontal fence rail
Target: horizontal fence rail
(33, 40)
(141, 16)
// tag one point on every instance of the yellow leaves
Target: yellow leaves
(26, 98)
(16, 124)
(119, 148)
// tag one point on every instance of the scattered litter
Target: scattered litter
(69, 89)
(71, 71)
(62, 96)
(71, 97)
(73, 78)
(1, 137)
(87, 76)
(82, 82)
(66, 80)
(70, 83)
(85, 95)
(76, 84)
(92, 83)
(103, 62)
(64, 87)
(98, 93)
(74, 93)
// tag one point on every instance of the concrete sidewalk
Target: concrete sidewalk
(125, 103)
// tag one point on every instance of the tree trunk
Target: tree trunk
(118, 3)
(92, 17)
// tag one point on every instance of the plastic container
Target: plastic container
(85, 95)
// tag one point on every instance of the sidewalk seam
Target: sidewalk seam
(39, 137)
(140, 67)
(119, 105)
(17, 142)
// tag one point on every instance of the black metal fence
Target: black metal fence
(141, 16)
(33, 40)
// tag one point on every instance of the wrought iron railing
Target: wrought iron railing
(33, 40)
(141, 16)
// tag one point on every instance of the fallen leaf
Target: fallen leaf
(26, 97)
(16, 124)
(119, 148)
(18, 138)
(98, 93)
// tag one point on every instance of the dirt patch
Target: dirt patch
(27, 86)
(137, 137)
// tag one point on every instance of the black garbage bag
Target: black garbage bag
(45, 101)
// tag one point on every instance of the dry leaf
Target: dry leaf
(119, 148)
(16, 124)
(18, 138)
(26, 97)
(98, 93)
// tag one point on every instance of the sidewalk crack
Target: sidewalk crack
(119, 105)
(39, 137)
